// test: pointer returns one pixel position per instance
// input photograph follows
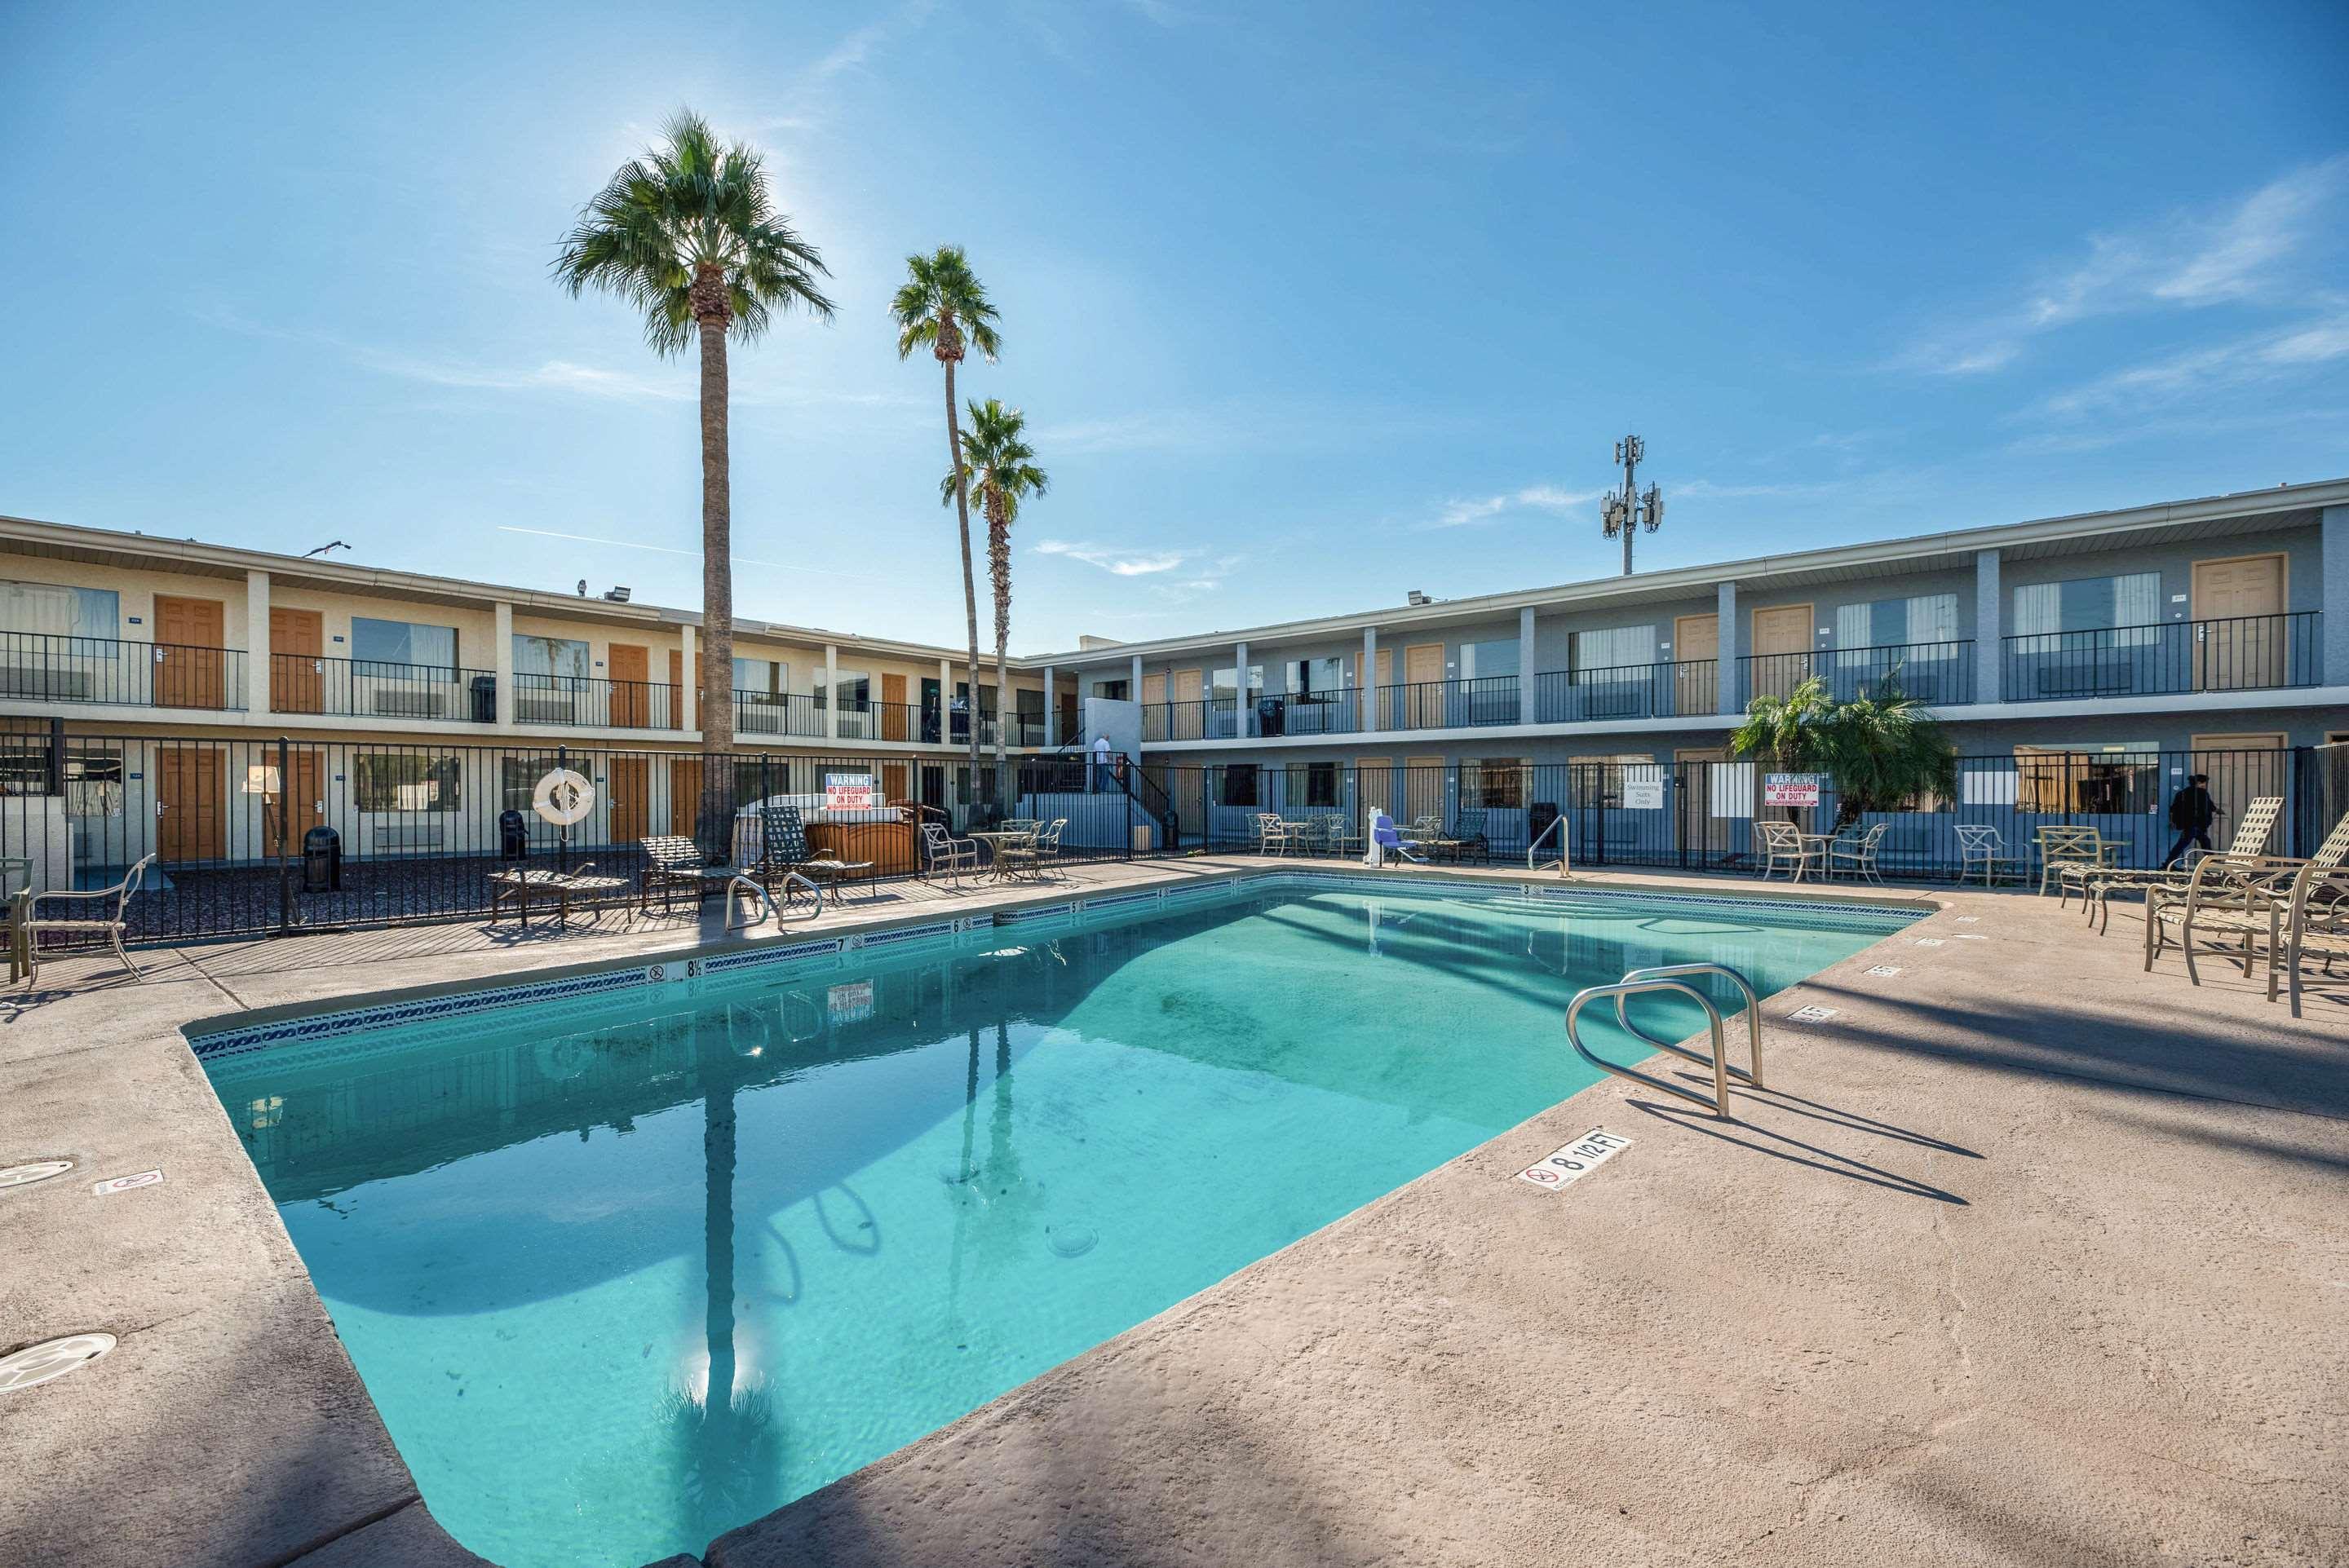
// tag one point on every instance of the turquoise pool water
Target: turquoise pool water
(621, 1279)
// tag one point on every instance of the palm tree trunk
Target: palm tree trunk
(715, 711)
(969, 581)
(998, 571)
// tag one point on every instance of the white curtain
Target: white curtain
(2136, 602)
(1615, 647)
(2038, 609)
(38, 608)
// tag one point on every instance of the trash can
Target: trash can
(513, 836)
(1270, 715)
(322, 860)
(485, 699)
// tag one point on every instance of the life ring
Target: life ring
(563, 797)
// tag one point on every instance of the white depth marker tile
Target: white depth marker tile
(1574, 1160)
(127, 1184)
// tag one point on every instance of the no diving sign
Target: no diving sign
(1576, 1161)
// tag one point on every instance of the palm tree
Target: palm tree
(999, 463)
(1882, 749)
(688, 232)
(940, 298)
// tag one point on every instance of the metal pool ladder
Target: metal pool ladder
(1672, 977)
(1558, 826)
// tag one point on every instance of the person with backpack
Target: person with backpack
(2191, 812)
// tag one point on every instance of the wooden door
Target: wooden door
(1782, 650)
(675, 689)
(191, 667)
(684, 793)
(190, 798)
(630, 668)
(893, 711)
(297, 682)
(1422, 791)
(1385, 710)
(1697, 827)
(1374, 779)
(1696, 654)
(2238, 633)
(896, 782)
(1190, 718)
(2242, 769)
(1423, 677)
(304, 780)
(627, 798)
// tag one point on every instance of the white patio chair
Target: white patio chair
(108, 919)
(1980, 848)
(1857, 855)
(942, 848)
(1783, 845)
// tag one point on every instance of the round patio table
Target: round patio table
(997, 841)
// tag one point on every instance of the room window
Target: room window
(1600, 780)
(403, 643)
(2093, 778)
(1237, 784)
(1616, 648)
(1315, 680)
(1224, 687)
(550, 657)
(1322, 784)
(1924, 628)
(518, 780)
(1488, 661)
(1113, 691)
(762, 677)
(50, 609)
(2126, 607)
(404, 781)
(1498, 782)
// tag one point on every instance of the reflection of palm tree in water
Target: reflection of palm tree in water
(995, 1198)
(727, 1443)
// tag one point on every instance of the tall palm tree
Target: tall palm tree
(688, 232)
(998, 461)
(940, 303)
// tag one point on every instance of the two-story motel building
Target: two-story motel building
(2218, 625)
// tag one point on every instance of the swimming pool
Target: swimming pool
(627, 1262)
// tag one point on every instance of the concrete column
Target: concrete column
(1728, 683)
(1051, 715)
(1133, 691)
(502, 661)
(689, 691)
(1989, 627)
(256, 644)
(832, 691)
(1240, 696)
(1370, 677)
(1526, 666)
(946, 702)
(2334, 569)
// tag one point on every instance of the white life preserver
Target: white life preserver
(563, 797)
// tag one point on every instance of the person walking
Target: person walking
(1100, 764)
(2191, 812)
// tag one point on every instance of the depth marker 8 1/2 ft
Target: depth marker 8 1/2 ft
(1576, 1161)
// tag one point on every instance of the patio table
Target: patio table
(997, 841)
(1814, 851)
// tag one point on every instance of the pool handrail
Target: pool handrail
(767, 899)
(1672, 978)
(1565, 845)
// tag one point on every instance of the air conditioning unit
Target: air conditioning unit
(66, 684)
(396, 702)
(407, 838)
(545, 707)
(762, 720)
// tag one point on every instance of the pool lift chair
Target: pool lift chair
(1674, 979)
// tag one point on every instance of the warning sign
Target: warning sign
(1790, 789)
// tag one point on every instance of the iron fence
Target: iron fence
(421, 827)
(374, 688)
(1699, 815)
(1935, 672)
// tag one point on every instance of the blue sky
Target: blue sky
(1307, 306)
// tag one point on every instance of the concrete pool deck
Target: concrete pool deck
(2024, 1256)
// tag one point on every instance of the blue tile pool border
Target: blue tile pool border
(238, 1041)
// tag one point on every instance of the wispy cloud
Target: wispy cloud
(1462, 513)
(2234, 366)
(860, 45)
(1118, 562)
(2186, 260)
(695, 555)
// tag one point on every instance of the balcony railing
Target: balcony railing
(590, 702)
(374, 688)
(1309, 713)
(1447, 705)
(1666, 690)
(51, 668)
(1935, 672)
(2244, 653)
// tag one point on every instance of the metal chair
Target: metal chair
(2067, 844)
(1981, 847)
(110, 921)
(941, 849)
(1857, 855)
(1784, 849)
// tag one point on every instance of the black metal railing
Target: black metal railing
(374, 688)
(1447, 705)
(1935, 672)
(1310, 713)
(591, 702)
(2244, 653)
(43, 667)
(1665, 690)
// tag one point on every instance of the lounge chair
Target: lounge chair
(2220, 900)
(1784, 848)
(2097, 885)
(1857, 855)
(109, 917)
(2317, 921)
(1468, 833)
(673, 861)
